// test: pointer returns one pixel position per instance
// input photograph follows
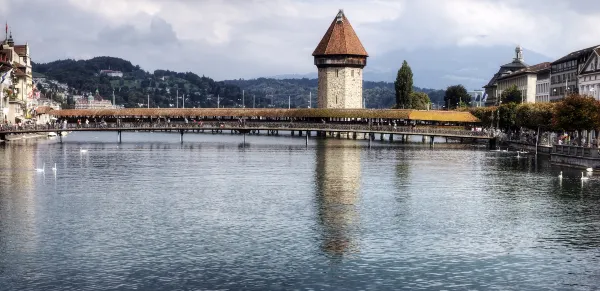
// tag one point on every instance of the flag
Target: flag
(5, 80)
(484, 98)
(7, 28)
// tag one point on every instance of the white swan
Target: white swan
(583, 178)
(54, 168)
(560, 175)
(42, 169)
(82, 150)
(589, 170)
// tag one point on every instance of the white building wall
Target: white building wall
(340, 87)
(530, 88)
(590, 85)
(542, 91)
(525, 83)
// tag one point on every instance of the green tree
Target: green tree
(485, 114)
(511, 95)
(535, 115)
(419, 101)
(577, 113)
(508, 116)
(456, 96)
(404, 86)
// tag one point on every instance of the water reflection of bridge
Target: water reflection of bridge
(338, 178)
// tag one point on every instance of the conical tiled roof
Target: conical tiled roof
(340, 39)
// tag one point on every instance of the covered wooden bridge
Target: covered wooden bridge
(334, 122)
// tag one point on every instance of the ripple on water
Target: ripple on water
(209, 214)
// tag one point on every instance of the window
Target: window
(25, 59)
(337, 74)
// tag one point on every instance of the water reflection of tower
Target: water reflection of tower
(338, 182)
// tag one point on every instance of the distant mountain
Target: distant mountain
(294, 76)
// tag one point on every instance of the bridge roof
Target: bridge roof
(424, 115)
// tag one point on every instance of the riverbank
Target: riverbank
(16, 137)
(520, 146)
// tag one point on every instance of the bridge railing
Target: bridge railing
(424, 130)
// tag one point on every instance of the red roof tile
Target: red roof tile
(340, 39)
(43, 109)
(21, 50)
(19, 73)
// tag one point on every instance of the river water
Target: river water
(214, 213)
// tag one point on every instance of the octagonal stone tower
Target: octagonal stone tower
(340, 58)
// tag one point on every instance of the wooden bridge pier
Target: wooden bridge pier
(118, 136)
(181, 136)
(492, 143)
(431, 141)
(391, 137)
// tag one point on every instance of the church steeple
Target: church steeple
(10, 40)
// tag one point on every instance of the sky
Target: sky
(445, 41)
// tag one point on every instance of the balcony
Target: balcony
(341, 62)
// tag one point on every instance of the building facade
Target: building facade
(340, 58)
(542, 86)
(17, 89)
(491, 89)
(564, 73)
(93, 102)
(112, 73)
(589, 76)
(476, 97)
(525, 80)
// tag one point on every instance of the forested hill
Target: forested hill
(132, 90)
(83, 76)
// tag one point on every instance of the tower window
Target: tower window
(337, 73)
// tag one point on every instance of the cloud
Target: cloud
(227, 39)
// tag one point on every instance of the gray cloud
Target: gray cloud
(245, 39)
